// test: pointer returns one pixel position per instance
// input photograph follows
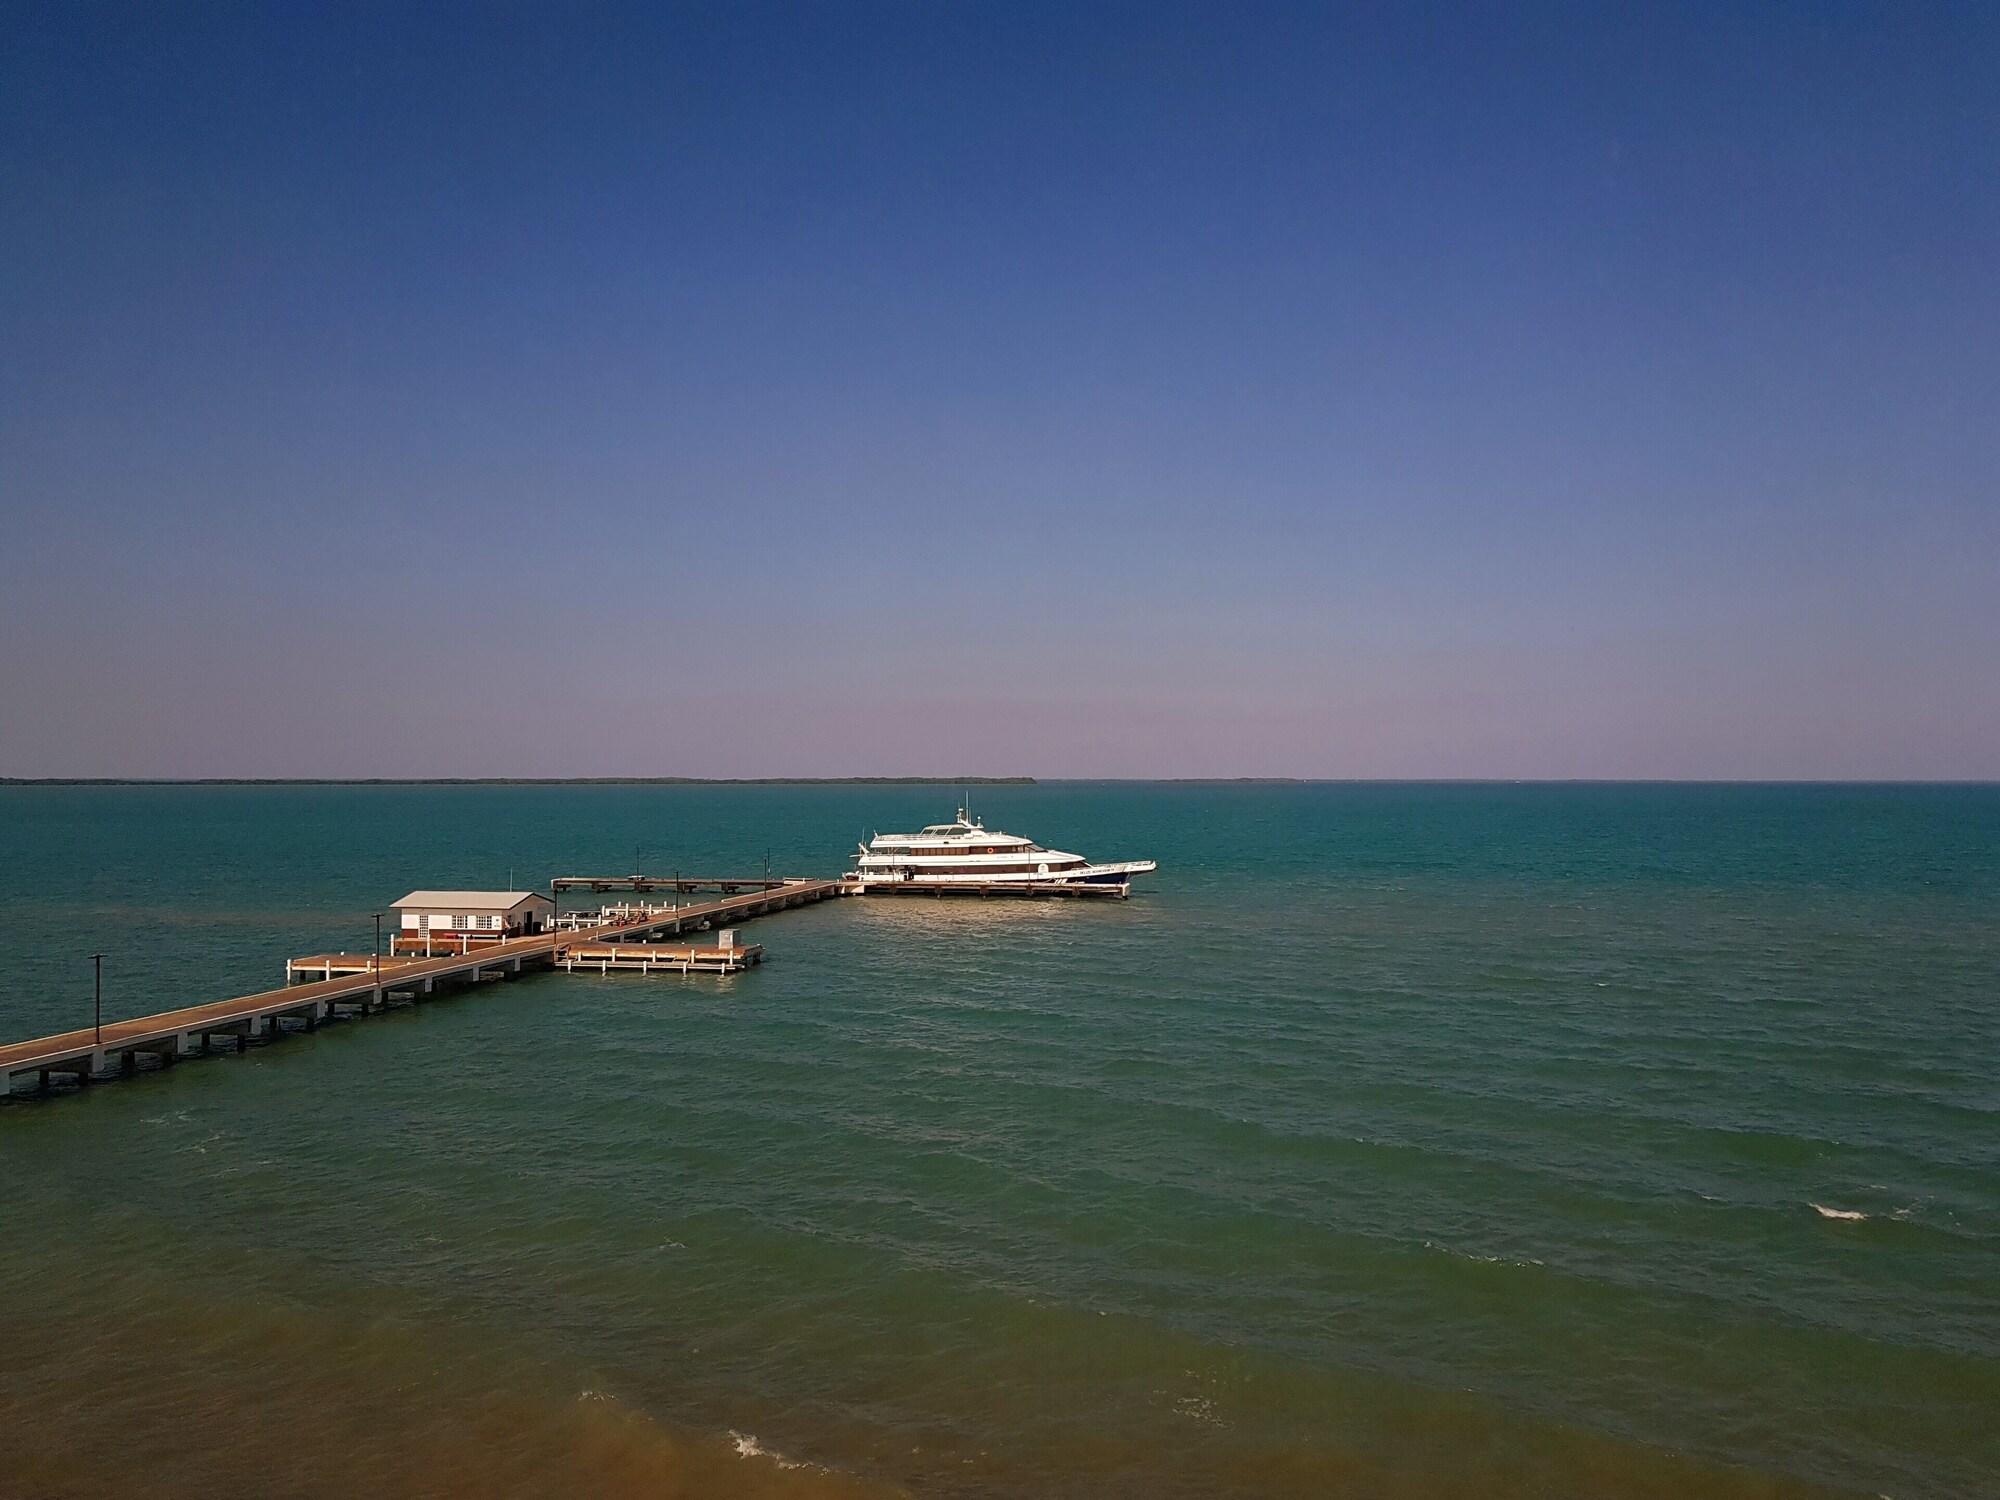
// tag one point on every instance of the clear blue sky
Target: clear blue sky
(1069, 390)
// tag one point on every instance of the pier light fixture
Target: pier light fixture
(97, 1007)
(376, 967)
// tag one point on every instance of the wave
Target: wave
(1851, 1214)
(1485, 1260)
(747, 1446)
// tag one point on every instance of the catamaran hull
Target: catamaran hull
(1092, 880)
(1042, 888)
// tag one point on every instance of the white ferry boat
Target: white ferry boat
(966, 858)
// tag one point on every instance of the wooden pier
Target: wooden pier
(339, 965)
(727, 885)
(355, 984)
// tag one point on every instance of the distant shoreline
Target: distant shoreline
(517, 781)
(971, 781)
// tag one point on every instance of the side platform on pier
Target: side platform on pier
(659, 958)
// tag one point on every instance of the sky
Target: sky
(968, 389)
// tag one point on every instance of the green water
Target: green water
(1393, 1140)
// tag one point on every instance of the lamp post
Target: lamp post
(97, 1008)
(377, 966)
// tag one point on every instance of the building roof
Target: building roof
(470, 900)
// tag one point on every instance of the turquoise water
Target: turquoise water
(1393, 1140)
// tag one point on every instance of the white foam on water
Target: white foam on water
(747, 1446)
(1484, 1260)
(1198, 1409)
(1837, 1213)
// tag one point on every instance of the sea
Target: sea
(1394, 1140)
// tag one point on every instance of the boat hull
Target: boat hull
(1092, 880)
(1043, 889)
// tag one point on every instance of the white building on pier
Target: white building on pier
(452, 921)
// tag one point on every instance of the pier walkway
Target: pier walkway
(114, 1051)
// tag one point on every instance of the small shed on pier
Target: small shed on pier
(451, 921)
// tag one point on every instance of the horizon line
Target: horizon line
(990, 781)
